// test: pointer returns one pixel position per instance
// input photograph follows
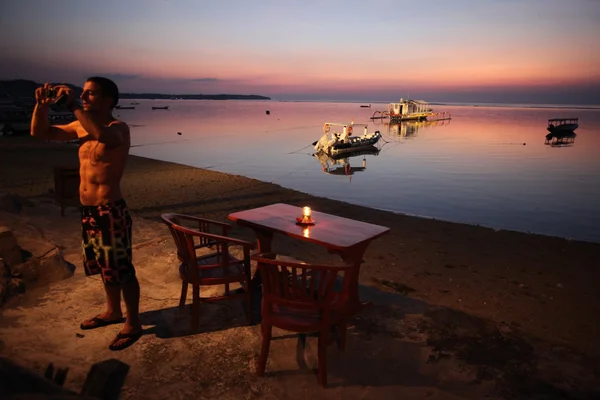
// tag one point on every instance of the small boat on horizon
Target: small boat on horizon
(562, 125)
(160, 108)
(125, 107)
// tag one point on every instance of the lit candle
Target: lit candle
(306, 212)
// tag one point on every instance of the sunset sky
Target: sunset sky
(523, 51)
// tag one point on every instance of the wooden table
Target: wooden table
(346, 237)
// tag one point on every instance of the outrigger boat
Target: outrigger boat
(410, 110)
(562, 125)
(335, 143)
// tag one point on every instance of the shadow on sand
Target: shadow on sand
(406, 342)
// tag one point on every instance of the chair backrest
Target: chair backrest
(183, 237)
(204, 225)
(302, 286)
(188, 240)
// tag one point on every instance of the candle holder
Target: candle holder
(306, 218)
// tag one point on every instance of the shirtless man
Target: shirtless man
(105, 219)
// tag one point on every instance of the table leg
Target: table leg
(354, 257)
(264, 239)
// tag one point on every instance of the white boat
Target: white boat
(407, 110)
(562, 124)
(334, 142)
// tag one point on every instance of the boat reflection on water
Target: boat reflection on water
(408, 129)
(560, 139)
(341, 164)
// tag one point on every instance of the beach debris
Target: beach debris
(79, 335)
(268, 112)
(179, 133)
(396, 286)
(104, 381)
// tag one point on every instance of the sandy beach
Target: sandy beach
(542, 290)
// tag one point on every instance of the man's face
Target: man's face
(92, 98)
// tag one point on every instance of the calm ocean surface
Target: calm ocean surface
(487, 166)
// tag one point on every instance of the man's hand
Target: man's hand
(71, 100)
(41, 95)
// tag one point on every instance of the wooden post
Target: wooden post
(66, 185)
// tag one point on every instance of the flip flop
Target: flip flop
(132, 338)
(99, 323)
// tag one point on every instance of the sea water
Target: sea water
(488, 165)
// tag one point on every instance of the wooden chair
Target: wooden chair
(66, 186)
(218, 267)
(303, 298)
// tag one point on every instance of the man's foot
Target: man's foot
(124, 340)
(98, 322)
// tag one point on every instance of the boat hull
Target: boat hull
(561, 135)
(563, 128)
(398, 118)
(363, 151)
(356, 144)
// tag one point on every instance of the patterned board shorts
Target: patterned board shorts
(106, 234)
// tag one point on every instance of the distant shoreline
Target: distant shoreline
(159, 96)
(518, 105)
(25, 89)
(22, 88)
(457, 104)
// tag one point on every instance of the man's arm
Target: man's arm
(112, 135)
(41, 128)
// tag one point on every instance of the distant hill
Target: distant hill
(193, 96)
(25, 88)
(20, 88)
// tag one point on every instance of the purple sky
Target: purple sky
(528, 51)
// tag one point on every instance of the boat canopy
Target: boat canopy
(409, 101)
(562, 119)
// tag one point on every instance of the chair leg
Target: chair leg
(196, 308)
(322, 358)
(248, 303)
(264, 348)
(184, 287)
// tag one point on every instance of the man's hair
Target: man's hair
(108, 88)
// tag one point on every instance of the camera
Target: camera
(51, 93)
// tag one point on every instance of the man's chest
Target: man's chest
(92, 150)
